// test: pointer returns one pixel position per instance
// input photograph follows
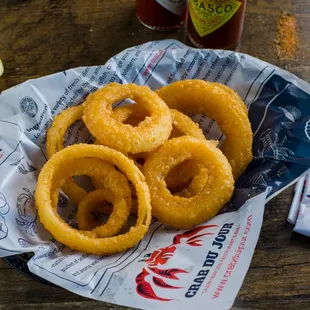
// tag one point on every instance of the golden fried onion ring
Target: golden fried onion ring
(187, 179)
(185, 126)
(107, 209)
(109, 178)
(226, 108)
(197, 173)
(56, 133)
(112, 180)
(91, 201)
(55, 141)
(182, 173)
(234, 94)
(181, 212)
(182, 125)
(72, 237)
(153, 131)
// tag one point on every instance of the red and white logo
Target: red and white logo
(154, 275)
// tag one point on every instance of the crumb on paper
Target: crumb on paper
(286, 42)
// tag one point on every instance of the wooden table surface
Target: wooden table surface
(39, 37)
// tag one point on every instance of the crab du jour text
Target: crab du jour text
(210, 260)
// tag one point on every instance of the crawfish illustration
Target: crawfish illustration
(27, 212)
(159, 276)
(280, 152)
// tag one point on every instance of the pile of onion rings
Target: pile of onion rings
(148, 159)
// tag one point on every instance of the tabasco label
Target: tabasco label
(176, 7)
(209, 15)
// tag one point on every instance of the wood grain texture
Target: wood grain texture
(40, 37)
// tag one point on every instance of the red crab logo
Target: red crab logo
(159, 257)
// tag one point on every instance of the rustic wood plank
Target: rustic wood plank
(279, 274)
(4, 265)
(42, 37)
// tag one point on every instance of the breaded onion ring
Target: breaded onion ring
(56, 133)
(112, 180)
(55, 141)
(187, 179)
(181, 212)
(225, 107)
(116, 220)
(196, 174)
(71, 237)
(153, 131)
(182, 124)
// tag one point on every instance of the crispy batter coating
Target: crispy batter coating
(181, 212)
(225, 107)
(153, 131)
(72, 237)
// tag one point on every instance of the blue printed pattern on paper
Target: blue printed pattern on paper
(25, 243)
(27, 212)
(4, 209)
(28, 106)
(24, 167)
(280, 112)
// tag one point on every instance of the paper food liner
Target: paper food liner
(160, 272)
(302, 225)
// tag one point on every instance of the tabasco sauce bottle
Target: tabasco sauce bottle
(216, 24)
(162, 14)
